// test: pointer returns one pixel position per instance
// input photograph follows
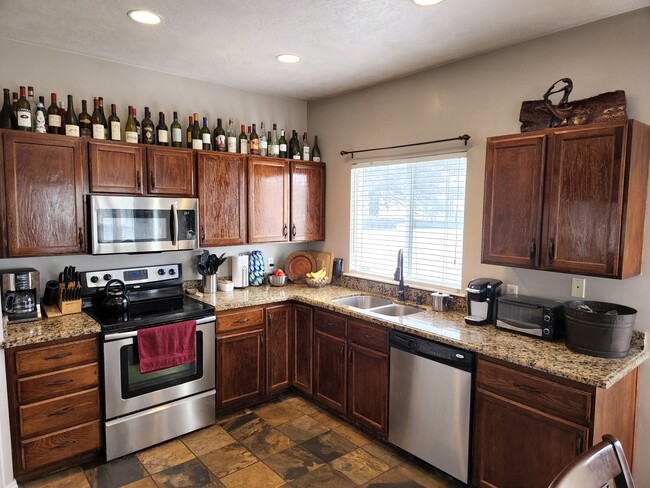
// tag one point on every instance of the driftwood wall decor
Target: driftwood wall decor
(542, 114)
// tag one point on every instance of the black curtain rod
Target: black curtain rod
(464, 137)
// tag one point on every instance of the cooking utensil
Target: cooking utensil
(115, 297)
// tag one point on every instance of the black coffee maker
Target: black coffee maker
(20, 294)
(482, 296)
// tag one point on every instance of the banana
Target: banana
(318, 275)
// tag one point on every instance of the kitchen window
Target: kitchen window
(412, 204)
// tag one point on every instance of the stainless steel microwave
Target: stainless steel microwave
(122, 224)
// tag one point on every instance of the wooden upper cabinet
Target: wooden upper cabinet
(44, 194)
(512, 214)
(171, 171)
(307, 201)
(116, 168)
(570, 200)
(268, 200)
(222, 198)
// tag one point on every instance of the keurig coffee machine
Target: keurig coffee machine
(482, 296)
(20, 290)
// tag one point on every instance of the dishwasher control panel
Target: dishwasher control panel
(432, 350)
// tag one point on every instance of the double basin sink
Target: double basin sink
(377, 305)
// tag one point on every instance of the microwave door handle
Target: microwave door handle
(174, 221)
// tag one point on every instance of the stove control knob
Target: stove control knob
(107, 277)
(161, 271)
(172, 272)
(94, 279)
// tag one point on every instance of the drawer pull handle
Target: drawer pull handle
(343, 353)
(153, 180)
(60, 382)
(65, 444)
(551, 252)
(350, 356)
(58, 356)
(63, 411)
(241, 321)
(527, 389)
(532, 252)
(366, 335)
(330, 324)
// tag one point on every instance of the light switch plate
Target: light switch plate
(578, 287)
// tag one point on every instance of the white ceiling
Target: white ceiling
(344, 44)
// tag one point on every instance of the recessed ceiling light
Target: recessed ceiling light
(144, 16)
(287, 58)
(426, 3)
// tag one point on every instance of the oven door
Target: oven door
(142, 224)
(127, 390)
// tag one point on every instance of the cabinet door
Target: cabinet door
(268, 200)
(368, 387)
(115, 168)
(517, 446)
(222, 198)
(44, 195)
(330, 365)
(584, 200)
(512, 210)
(239, 368)
(278, 348)
(307, 201)
(303, 339)
(171, 171)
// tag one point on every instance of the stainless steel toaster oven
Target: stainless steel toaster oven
(539, 317)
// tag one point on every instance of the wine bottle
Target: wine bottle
(23, 112)
(294, 145)
(243, 141)
(206, 135)
(274, 148)
(148, 130)
(102, 117)
(220, 137)
(189, 131)
(115, 125)
(177, 132)
(197, 142)
(254, 142)
(62, 113)
(71, 120)
(41, 117)
(162, 134)
(32, 105)
(98, 126)
(137, 125)
(264, 142)
(305, 147)
(85, 122)
(315, 153)
(231, 138)
(5, 113)
(14, 120)
(130, 129)
(53, 117)
(283, 145)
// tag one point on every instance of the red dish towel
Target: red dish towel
(167, 346)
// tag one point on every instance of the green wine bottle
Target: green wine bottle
(53, 117)
(254, 142)
(115, 125)
(138, 128)
(102, 117)
(190, 123)
(315, 153)
(177, 132)
(71, 120)
(282, 142)
(5, 114)
(220, 137)
(130, 129)
(206, 136)
(162, 134)
(148, 130)
(85, 122)
(243, 141)
(23, 112)
(197, 142)
(98, 125)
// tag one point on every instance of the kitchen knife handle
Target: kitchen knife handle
(202, 232)
(551, 252)
(533, 251)
(293, 230)
(153, 180)
(284, 230)
(138, 176)
(80, 236)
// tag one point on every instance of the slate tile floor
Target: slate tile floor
(286, 443)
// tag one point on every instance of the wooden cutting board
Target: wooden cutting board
(324, 259)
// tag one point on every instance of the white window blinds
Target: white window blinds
(416, 205)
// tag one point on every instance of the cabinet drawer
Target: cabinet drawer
(330, 323)
(542, 394)
(368, 335)
(55, 357)
(59, 413)
(59, 383)
(237, 320)
(61, 445)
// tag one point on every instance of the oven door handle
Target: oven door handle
(133, 333)
(174, 211)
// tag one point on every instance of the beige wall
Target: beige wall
(481, 96)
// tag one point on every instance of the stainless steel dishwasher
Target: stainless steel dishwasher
(430, 402)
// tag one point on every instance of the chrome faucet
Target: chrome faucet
(399, 276)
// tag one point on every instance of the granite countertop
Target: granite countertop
(445, 327)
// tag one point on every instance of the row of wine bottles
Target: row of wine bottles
(26, 114)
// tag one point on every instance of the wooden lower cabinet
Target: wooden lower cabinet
(303, 345)
(330, 366)
(278, 348)
(368, 387)
(54, 405)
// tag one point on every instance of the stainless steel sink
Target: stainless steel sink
(396, 310)
(362, 301)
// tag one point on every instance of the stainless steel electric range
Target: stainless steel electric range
(143, 409)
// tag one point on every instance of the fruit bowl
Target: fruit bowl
(276, 280)
(316, 282)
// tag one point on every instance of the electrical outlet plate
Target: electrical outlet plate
(578, 287)
(512, 290)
